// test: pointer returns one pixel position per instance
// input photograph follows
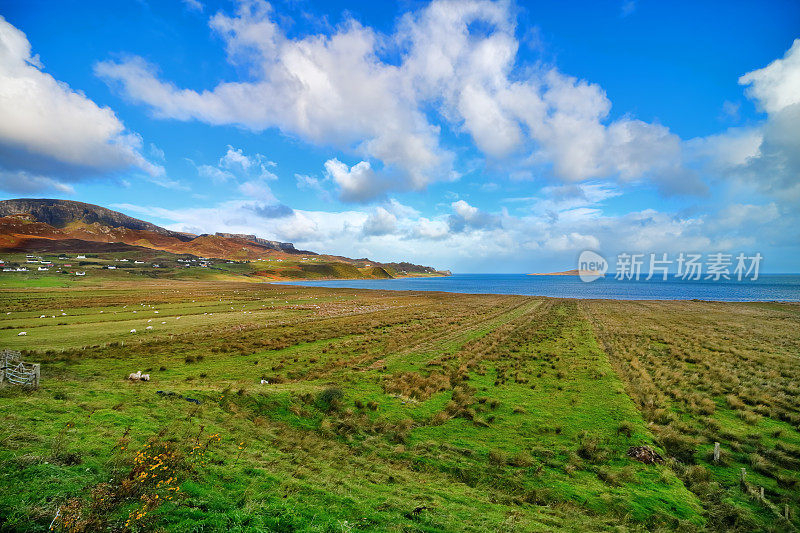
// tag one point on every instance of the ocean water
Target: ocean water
(768, 287)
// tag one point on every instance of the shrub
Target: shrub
(677, 445)
(522, 459)
(625, 428)
(697, 474)
(590, 449)
(497, 457)
(329, 399)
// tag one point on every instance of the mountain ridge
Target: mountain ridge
(25, 221)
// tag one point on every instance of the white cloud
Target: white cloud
(240, 164)
(457, 67)
(193, 5)
(380, 222)
(466, 216)
(764, 159)
(777, 85)
(235, 164)
(358, 183)
(215, 174)
(51, 131)
(257, 190)
(21, 182)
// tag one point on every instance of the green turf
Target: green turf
(384, 411)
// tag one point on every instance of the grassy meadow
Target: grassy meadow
(393, 411)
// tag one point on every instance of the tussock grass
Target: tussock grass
(393, 411)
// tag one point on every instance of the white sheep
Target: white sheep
(264, 382)
(145, 377)
(136, 376)
(149, 327)
(22, 333)
(133, 331)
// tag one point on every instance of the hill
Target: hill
(45, 225)
(61, 213)
(573, 272)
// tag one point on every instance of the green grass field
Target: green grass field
(393, 411)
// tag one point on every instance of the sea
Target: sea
(768, 287)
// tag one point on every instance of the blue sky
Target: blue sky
(478, 136)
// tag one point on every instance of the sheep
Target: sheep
(145, 377)
(264, 382)
(135, 376)
(133, 331)
(22, 333)
(149, 327)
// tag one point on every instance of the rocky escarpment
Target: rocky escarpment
(274, 245)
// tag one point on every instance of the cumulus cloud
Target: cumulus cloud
(358, 183)
(50, 133)
(466, 216)
(235, 164)
(457, 68)
(764, 159)
(777, 85)
(380, 222)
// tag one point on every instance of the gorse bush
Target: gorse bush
(153, 479)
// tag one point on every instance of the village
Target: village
(80, 264)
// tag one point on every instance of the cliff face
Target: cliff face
(275, 245)
(59, 213)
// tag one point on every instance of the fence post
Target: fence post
(36, 375)
(744, 475)
(716, 452)
(761, 493)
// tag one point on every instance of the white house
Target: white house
(80, 273)
(43, 268)
(80, 257)
(111, 267)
